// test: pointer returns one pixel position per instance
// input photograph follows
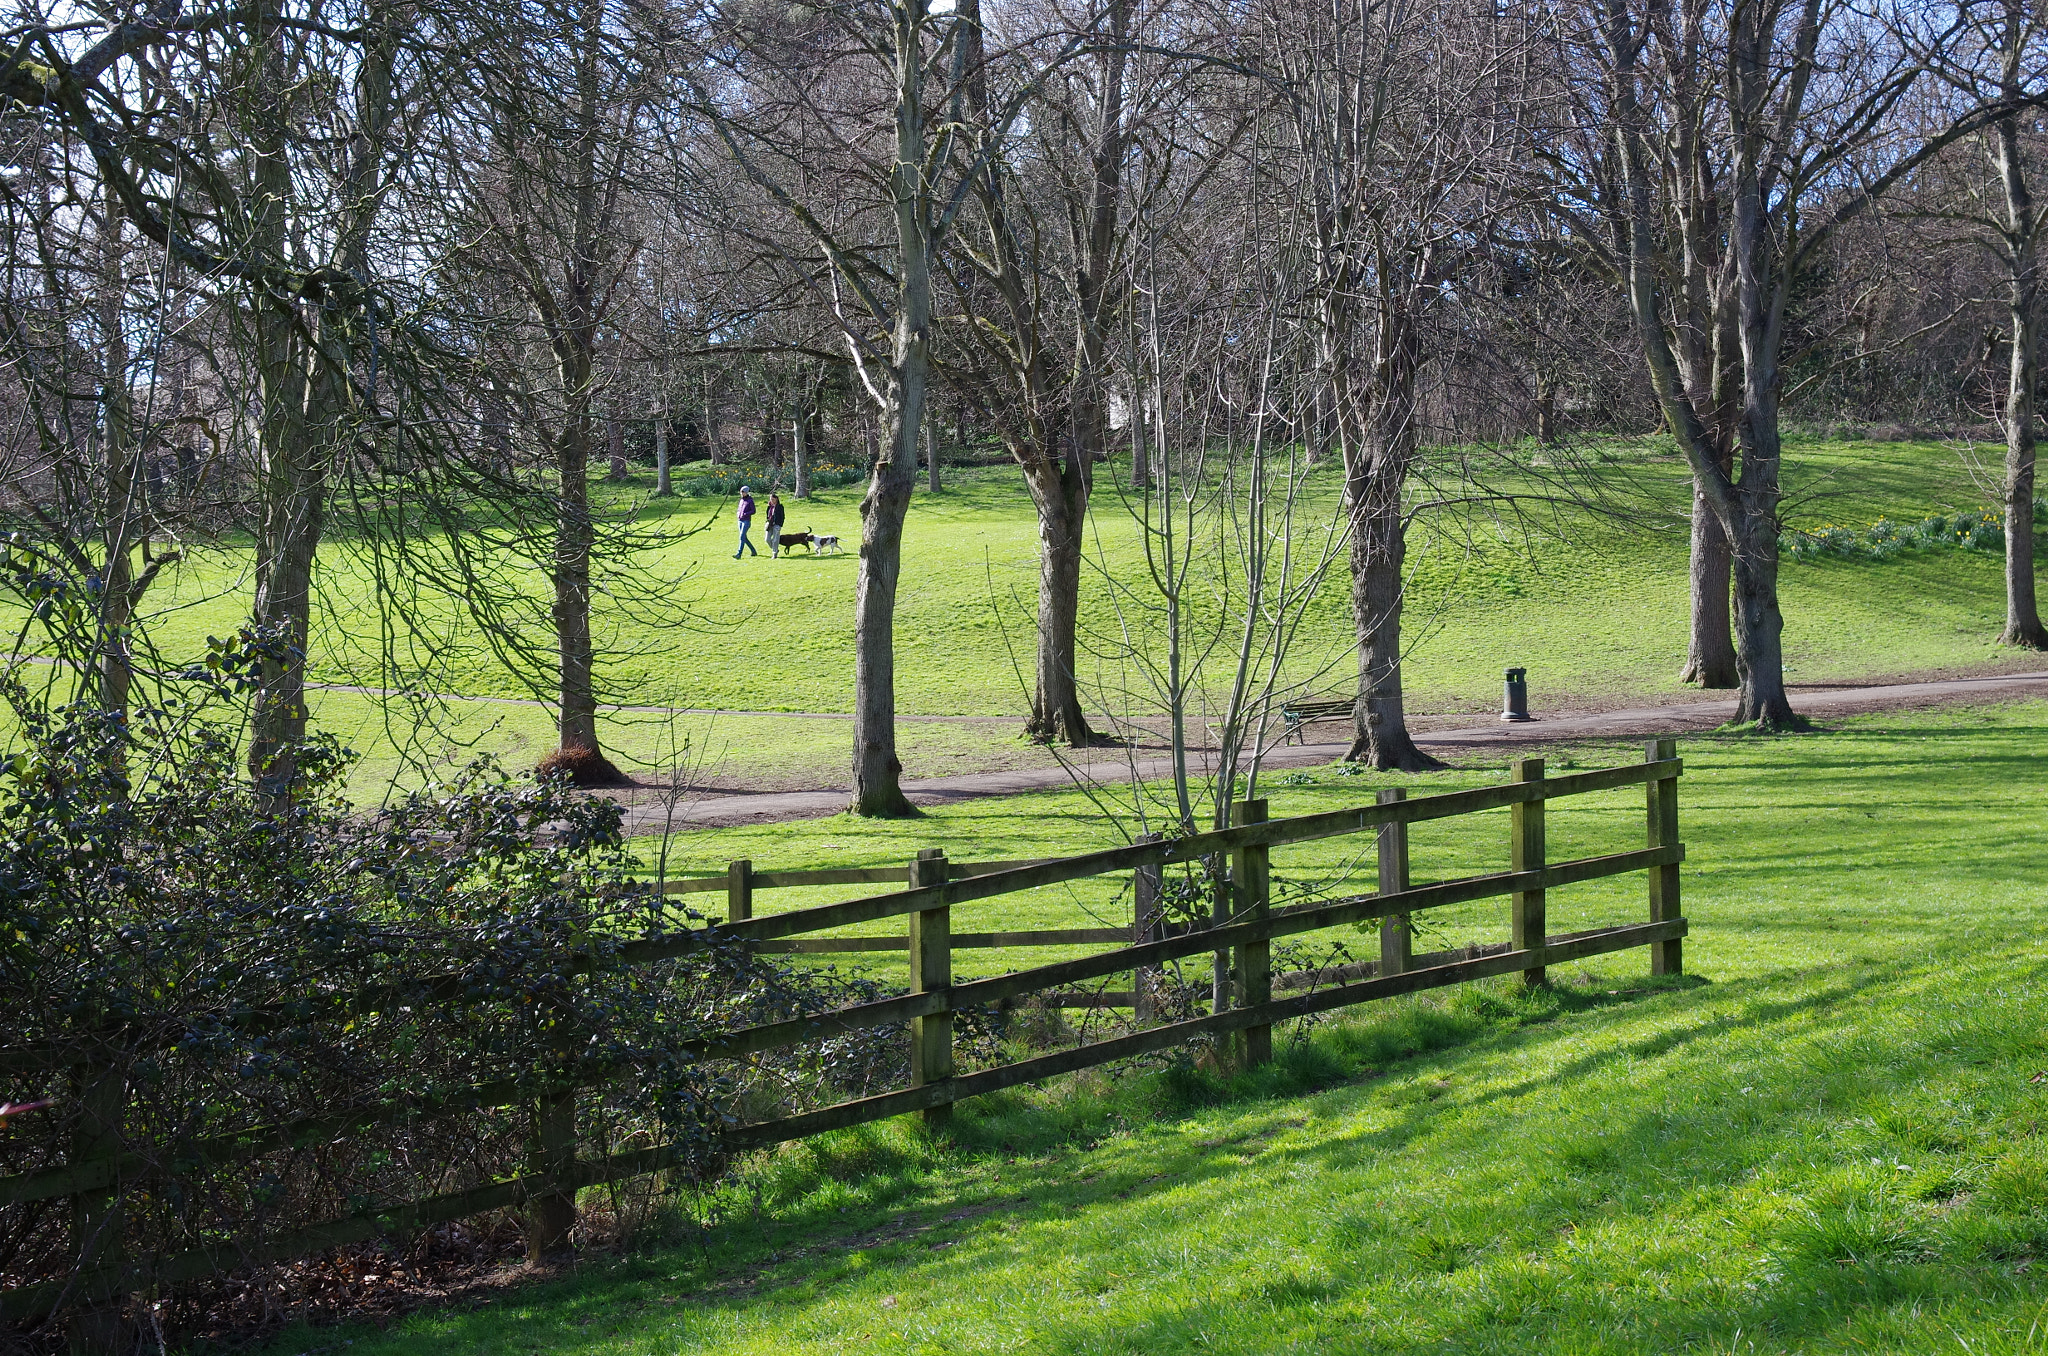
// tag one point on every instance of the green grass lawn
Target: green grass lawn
(1594, 606)
(1831, 1139)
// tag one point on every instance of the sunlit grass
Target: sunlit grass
(1832, 1143)
(1592, 603)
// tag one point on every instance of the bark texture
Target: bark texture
(1053, 417)
(1749, 510)
(1061, 495)
(1376, 473)
(1710, 660)
(125, 515)
(800, 452)
(877, 772)
(307, 406)
(1742, 493)
(570, 314)
(2022, 610)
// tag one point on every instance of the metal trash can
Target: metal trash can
(1516, 706)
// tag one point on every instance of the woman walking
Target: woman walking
(774, 525)
(746, 521)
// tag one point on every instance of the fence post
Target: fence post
(551, 1214)
(551, 1211)
(97, 1219)
(1252, 881)
(739, 890)
(1217, 868)
(1397, 941)
(1666, 958)
(931, 971)
(1146, 887)
(1527, 855)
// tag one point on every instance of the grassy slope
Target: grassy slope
(1595, 608)
(1836, 1144)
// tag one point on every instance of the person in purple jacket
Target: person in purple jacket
(746, 521)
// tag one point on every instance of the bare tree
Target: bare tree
(784, 85)
(1997, 59)
(550, 196)
(1037, 289)
(1798, 123)
(1394, 113)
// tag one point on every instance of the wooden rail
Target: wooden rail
(1240, 930)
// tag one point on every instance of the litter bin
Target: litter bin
(1516, 707)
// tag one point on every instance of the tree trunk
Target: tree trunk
(931, 455)
(1061, 497)
(662, 488)
(711, 429)
(1759, 624)
(294, 495)
(877, 773)
(291, 472)
(615, 448)
(574, 538)
(876, 769)
(1710, 659)
(1380, 462)
(306, 405)
(573, 325)
(1379, 719)
(800, 451)
(1762, 293)
(496, 431)
(1546, 410)
(2022, 613)
(1141, 450)
(124, 513)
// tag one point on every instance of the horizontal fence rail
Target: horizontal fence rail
(1239, 931)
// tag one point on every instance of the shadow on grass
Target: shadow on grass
(1820, 1272)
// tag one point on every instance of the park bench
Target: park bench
(1298, 714)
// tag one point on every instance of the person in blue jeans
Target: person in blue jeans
(746, 521)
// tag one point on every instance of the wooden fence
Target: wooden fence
(1242, 925)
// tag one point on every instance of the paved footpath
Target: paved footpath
(768, 807)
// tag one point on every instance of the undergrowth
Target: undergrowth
(1973, 530)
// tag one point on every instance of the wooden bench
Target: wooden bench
(1298, 714)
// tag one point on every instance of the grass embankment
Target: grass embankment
(1836, 1142)
(1594, 606)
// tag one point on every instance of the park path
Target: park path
(768, 807)
(457, 699)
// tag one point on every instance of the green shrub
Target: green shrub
(187, 965)
(725, 481)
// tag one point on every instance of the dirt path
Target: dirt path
(613, 708)
(723, 810)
